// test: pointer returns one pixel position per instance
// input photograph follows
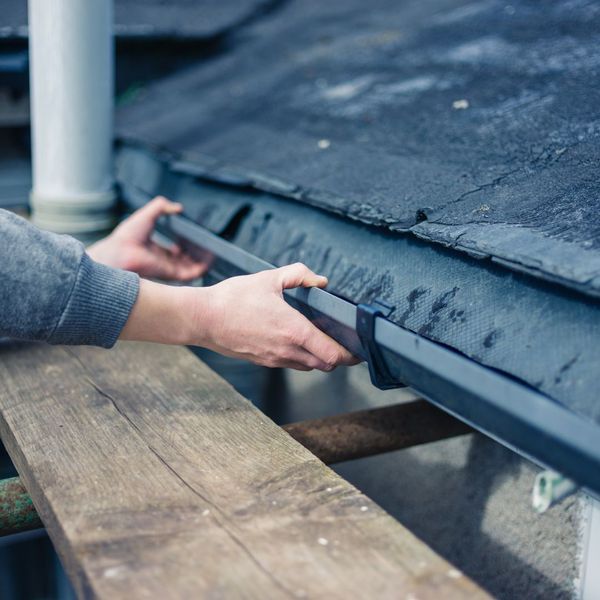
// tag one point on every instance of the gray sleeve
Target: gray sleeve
(51, 290)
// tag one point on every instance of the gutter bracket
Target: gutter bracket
(365, 329)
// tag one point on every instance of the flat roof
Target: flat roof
(473, 125)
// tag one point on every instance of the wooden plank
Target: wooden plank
(155, 479)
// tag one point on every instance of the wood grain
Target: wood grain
(155, 479)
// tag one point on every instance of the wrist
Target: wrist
(163, 314)
(197, 304)
(175, 319)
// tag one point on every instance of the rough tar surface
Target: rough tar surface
(472, 125)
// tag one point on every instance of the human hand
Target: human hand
(130, 247)
(246, 317)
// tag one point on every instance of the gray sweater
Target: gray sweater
(51, 290)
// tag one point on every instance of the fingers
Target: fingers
(326, 353)
(173, 248)
(248, 318)
(159, 206)
(302, 360)
(141, 223)
(327, 350)
(166, 265)
(299, 275)
(300, 356)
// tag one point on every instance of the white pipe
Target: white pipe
(72, 93)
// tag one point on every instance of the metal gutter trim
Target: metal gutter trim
(512, 413)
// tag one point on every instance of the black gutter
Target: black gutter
(512, 413)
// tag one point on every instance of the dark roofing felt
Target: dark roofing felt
(153, 18)
(472, 124)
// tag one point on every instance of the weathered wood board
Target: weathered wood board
(155, 479)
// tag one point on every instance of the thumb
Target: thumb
(141, 223)
(299, 275)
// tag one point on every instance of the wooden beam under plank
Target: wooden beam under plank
(155, 479)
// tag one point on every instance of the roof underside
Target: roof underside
(183, 19)
(472, 125)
